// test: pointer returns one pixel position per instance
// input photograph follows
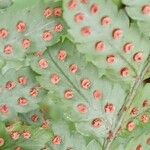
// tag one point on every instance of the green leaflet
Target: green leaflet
(107, 8)
(36, 141)
(137, 10)
(93, 145)
(15, 64)
(100, 47)
(140, 141)
(139, 106)
(133, 139)
(122, 59)
(73, 82)
(70, 139)
(33, 118)
(5, 3)
(143, 94)
(144, 27)
(139, 135)
(135, 2)
(13, 89)
(87, 74)
(36, 25)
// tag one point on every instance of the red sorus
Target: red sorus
(109, 108)
(58, 12)
(145, 103)
(124, 72)
(82, 108)
(10, 85)
(100, 46)
(43, 63)
(86, 84)
(23, 80)
(21, 27)
(79, 17)
(8, 49)
(97, 94)
(34, 92)
(139, 147)
(84, 1)
(4, 109)
(138, 57)
(55, 79)
(57, 140)
(86, 31)
(144, 118)
(19, 148)
(23, 101)
(111, 59)
(62, 55)
(26, 43)
(35, 118)
(58, 28)
(72, 4)
(97, 122)
(128, 47)
(26, 135)
(48, 12)
(2, 142)
(47, 36)
(95, 8)
(146, 10)
(73, 68)
(131, 126)
(69, 94)
(3, 33)
(15, 135)
(117, 34)
(106, 21)
(148, 141)
(134, 111)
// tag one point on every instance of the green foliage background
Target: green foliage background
(55, 114)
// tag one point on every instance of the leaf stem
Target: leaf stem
(127, 104)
